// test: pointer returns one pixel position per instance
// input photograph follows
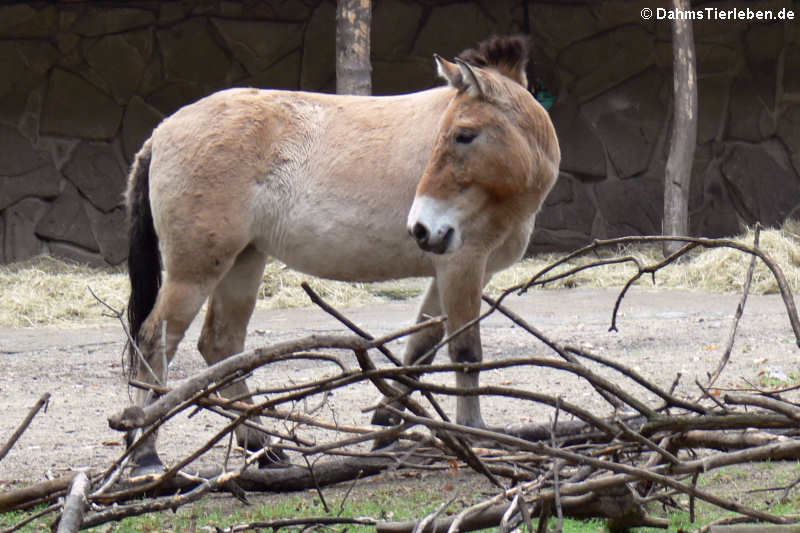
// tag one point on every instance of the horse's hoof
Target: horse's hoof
(384, 417)
(147, 467)
(274, 458)
(384, 444)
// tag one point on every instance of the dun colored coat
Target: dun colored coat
(443, 183)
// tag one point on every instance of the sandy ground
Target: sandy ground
(661, 333)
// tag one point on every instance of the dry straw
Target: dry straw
(47, 292)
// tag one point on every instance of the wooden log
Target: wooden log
(75, 505)
(292, 478)
(619, 508)
(27, 497)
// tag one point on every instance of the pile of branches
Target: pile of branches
(578, 464)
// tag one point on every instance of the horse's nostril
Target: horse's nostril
(420, 232)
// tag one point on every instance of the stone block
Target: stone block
(12, 107)
(29, 62)
(763, 185)
(17, 230)
(628, 120)
(60, 150)
(97, 172)
(75, 108)
(607, 59)
(138, 123)
(712, 97)
(259, 45)
(403, 18)
(763, 45)
(173, 95)
(630, 207)
(110, 232)
(582, 152)
(191, 53)
(403, 75)
(118, 63)
(716, 216)
(76, 254)
(171, 12)
(40, 182)
(712, 58)
(569, 207)
(25, 21)
(18, 154)
(791, 70)
(66, 221)
(319, 50)
(464, 23)
(24, 171)
(285, 74)
(704, 160)
(106, 20)
(558, 25)
(286, 10)
(547, 240)
(745, 110)
(722, 31)
(788, 130)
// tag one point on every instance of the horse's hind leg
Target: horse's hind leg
(177, 304)
(225, 329)
(418, 348)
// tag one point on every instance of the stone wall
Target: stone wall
(611, 72)
(82, 84)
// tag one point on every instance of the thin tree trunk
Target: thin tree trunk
(684, 129)
(353, 69)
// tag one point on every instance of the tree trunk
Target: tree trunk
(353, 69)
(684, 129)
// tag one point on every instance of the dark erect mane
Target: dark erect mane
(508, 55)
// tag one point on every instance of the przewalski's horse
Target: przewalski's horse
(443, 183)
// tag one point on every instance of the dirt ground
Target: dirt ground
(660, 333)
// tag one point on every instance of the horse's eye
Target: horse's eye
(465, 137)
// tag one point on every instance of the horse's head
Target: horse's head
(495, 156)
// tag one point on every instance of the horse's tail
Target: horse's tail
(144, 261)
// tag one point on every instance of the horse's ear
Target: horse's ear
(448, 71)
(471, 80)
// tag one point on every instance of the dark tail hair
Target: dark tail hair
(144, 261)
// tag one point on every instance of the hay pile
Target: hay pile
(45, 291)
(712, 270)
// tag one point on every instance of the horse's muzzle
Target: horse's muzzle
(437, 242)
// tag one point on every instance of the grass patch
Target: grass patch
(48, 292)
(411, 498)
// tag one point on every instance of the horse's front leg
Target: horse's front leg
(418, 349)
(461, 281)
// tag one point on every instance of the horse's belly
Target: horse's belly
(346, 260)
(345, 244)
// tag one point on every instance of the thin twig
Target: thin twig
(41, 402)
(712, 378)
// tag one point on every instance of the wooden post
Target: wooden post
(353, 68)
(678, 174)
